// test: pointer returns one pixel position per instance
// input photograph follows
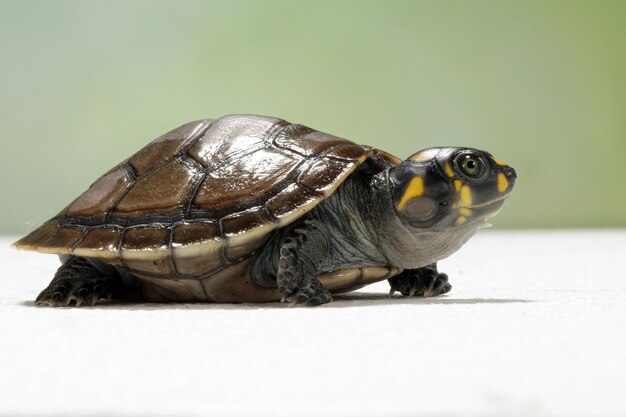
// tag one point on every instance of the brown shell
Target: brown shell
(202, 196)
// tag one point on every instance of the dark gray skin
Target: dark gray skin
(363, 224)
(357, 226)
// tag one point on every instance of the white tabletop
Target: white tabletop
(535, 325)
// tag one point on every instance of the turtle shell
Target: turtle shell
(202, 196)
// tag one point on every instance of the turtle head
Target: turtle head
(441, 188)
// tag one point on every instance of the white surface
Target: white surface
(534, 325)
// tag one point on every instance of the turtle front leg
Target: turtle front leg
(300, 254)
(80, 281)
(425, 282)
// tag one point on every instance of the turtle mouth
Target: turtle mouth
(487, 203)
(483, 211)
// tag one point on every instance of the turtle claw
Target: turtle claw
(310, 295)
(75, 292)
(56, 297)
(422, 282)
(439, 286)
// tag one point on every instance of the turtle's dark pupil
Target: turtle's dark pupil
(470, 166)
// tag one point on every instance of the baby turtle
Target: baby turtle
(249, 208)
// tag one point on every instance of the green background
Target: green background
(539, 84)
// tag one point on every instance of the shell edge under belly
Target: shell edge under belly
(234, 284)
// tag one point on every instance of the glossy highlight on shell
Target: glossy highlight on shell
(201, 196)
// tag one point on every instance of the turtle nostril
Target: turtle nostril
(509, 172)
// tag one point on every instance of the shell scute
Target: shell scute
(348, 152)
(184, 234)
(164, 188)
(34, 239)
(306, 141)
(166, 146)
(140, 239)
(245, 179)
(218, 145)
(246, 231)
(63, 240)
(197, 248)
(323, 175)
(100, 242)
(102, 194)
(290, 203)
(146, 250)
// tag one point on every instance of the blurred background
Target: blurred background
(540, 84)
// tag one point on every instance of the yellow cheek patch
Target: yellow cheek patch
(448, 170)
(464, 211)
(415, 189)
(503, 183)
(461, 220)
(457, 185)
(466, 195)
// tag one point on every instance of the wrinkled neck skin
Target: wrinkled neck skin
(364, 229)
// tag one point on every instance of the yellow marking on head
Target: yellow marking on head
(464, 211)
(466, 195)
(460, 220)
(457, 185)
(503, 183)
(415, 189)
(448, 170)
(498, 162)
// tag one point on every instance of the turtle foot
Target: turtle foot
(312, 294)
(75, 292)
(424, 282)
(300, 254)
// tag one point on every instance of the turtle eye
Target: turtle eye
(470, 165)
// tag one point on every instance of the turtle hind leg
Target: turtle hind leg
(424, 282)
(84, 281)
(300, 255)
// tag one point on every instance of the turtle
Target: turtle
(250, 209)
